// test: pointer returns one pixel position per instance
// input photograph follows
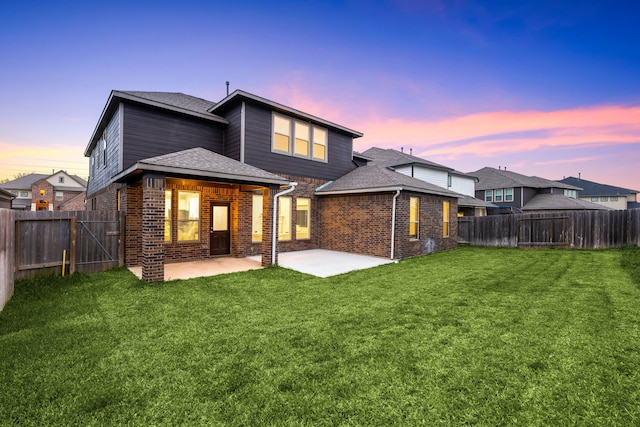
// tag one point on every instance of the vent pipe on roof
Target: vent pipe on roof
(402, 149)
(227, 87)
(411, 151)
(579, 176)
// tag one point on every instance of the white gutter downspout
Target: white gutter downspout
(275, 218)
(393, 223)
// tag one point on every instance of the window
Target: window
(167, 216)
(613, 198)
(604, 198)
(508, 194)
(59, 195)
(570, 193)
(301, 146)
(61, 180)
(284, 218)
(414, 217)
(309, 141)
(104, 149)
(445, 218)
(449, 181)
(488, 196)
(256, 218)
(302, 217)
(119, 203)
(15, 193)
(594, 199)
(188, 215)
(24, 194)
(498, 194)
(319, 144)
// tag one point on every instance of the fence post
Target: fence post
(72, 245)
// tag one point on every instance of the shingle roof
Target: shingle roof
(590, 188)
(379, 178)
(472, 201)
(199, 162)
(560, 202)
(490, 178)
(23, 183)
(175, 99)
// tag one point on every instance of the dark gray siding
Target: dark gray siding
(100, 173)
(149, 133)
(258, 150)
(232, 133)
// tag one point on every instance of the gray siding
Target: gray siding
(99, 173)
(232, 133)
(149, 133)
(258, 150)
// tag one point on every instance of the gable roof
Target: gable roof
(172, 101)
(490, 178)
(24, 182)
(240, 95)
(590, 188)
(560, 202)
(376, 178)
(202, 163)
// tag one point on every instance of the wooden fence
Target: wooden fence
(573, 229)
(7, 250)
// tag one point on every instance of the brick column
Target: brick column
(153, 187)
(267, 225)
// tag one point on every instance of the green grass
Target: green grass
(467, 337)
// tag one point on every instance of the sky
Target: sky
(544, 88)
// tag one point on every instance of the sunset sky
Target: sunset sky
(546, 88)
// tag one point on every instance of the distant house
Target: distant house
(247, 176)
(434, 173)
(5, 199)
(511, 191)
(61, 191)
(605, 195)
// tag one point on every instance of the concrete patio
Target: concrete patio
(317, 262)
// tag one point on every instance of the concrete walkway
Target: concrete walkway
(317, 262)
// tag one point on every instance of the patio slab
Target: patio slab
(209, 267)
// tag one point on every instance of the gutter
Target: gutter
(393, 223)
(275, 219)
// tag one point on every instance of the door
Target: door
(220, 234)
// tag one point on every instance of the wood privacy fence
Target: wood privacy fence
(572, 229)
(7, 251)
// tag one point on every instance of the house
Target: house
(511, 191)
(5, 199)
(602, 194)
(60, 190)
(248, 176)
(434, 173)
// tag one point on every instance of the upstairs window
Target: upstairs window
(59, 195)
(594, 198)
(508, 194)
(297, 138)
(488, 196)
(24, 194)
(498, 194)
(61, 180)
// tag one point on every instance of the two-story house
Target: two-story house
(60, 190)
(606, 195)
(434, 173)
(513, 191)
(248, 176)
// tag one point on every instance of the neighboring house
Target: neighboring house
(248, 176)
(434, 173)
(5, 199)
(512, 191)
(61, 191)
(602, 194)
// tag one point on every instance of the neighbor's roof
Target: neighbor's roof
(560, 202)
(394, 158)
(239, 95)
(376, 178)
(490, 178)
(172, 101)
(472, 201)
(590, 188)
(24, 183)
(202, 163)
(4, 194)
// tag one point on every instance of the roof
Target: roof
(590, 188)
(240, 95)
(394, 158)
(472, 201)
(172, 101)
(376, 178)
(202, 163)
(490, 178)
(24, 182)
(560, 202)
(4, 194)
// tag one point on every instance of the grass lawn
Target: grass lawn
(472, 336)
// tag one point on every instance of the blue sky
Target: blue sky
(544, 88)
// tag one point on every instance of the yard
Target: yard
(471, 336)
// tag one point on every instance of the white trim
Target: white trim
(393, 223)
(274, 236)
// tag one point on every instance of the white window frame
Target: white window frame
(59, 195)
(497, 195)
(488, 195)
(508, 194)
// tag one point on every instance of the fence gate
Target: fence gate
(50, 242)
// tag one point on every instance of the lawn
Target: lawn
(473, 336)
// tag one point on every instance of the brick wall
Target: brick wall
(105, 199)
(48, 193)
(153, 228)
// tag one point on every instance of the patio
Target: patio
(317, 262)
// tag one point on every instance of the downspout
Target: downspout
(275, 218)
(393, 223)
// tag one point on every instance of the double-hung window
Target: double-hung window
(488, 196)
(59, 195)
(302, 217)
(319, 144)
(414, 218)
(301, 147)
(508, 194)
(498, 194)
(298, 138)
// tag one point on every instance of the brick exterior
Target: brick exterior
(153, 228)
(76, 201)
